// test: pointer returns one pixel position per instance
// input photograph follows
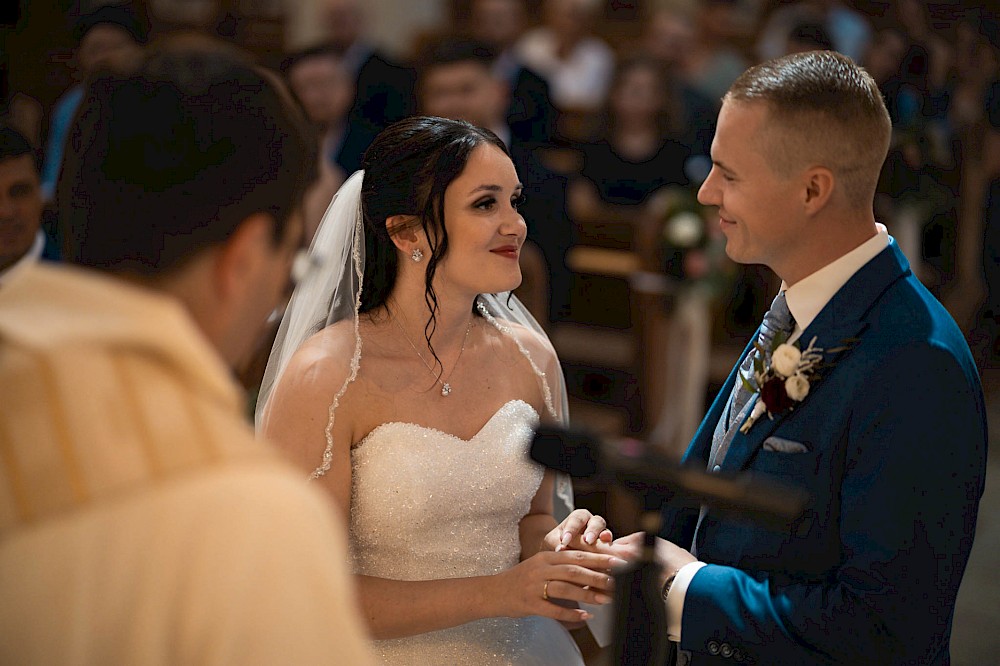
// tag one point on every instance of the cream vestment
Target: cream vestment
(140, 522)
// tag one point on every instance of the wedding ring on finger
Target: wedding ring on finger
(545, 590)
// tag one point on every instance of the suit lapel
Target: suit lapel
(838, 327)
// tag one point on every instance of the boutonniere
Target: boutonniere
(782, 376)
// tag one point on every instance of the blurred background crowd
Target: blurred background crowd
(608, 108)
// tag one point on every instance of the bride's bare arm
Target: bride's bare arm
(538, 522)
(404, 608)
(580, 530)
(297, 413)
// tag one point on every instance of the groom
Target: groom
(887, 434)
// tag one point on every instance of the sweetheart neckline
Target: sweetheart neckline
(483, 427)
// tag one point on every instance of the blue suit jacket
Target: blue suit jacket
(895, 429)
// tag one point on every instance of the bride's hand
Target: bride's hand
(532, 586)
(581, 530)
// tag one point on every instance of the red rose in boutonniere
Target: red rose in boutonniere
(775, 396)
(782, 376)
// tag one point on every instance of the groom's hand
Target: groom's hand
(581, 530)
(671, 557)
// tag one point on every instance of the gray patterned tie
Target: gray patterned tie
(777, 320)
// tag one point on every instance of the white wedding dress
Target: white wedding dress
(426, 504)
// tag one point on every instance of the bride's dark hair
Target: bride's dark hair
(408, 167)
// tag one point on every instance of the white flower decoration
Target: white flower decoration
(790, 369)
(785, 360)
(685, 229)
(797, 387)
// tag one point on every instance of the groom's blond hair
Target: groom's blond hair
(823, 110)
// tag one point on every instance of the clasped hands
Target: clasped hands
(569, 568)
(575, 565)
(583, 531)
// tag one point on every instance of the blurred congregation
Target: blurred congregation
(608, 109)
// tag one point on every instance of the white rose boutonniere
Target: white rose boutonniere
(782, 377)
(785, 359)
(797, 387)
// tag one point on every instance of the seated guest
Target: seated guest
(667, 39)
(140, 522)
(807, 36)
(576, 63)
(322, 85)
(457, 81)
(22, 240)
(20, 111)
(108, 37)
(845, 29)
(384, 89)
(636, 156)
(903, 92)
(713, 62)
(530, 114)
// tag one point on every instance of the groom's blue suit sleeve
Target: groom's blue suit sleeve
(871, 575)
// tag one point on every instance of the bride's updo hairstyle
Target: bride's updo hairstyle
(408, 167)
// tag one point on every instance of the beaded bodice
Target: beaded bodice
(455, 502)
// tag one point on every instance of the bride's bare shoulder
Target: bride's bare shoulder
(536, 343)
(323, 360)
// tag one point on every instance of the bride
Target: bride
(408, 380)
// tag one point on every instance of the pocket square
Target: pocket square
(779, 445)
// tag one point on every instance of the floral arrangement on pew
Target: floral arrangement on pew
(690, 248)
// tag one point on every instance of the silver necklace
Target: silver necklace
(445, 386)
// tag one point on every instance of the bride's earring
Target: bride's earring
(417, 254)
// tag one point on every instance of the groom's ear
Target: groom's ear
(818, 187)
(405, 231)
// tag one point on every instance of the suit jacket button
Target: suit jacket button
(713, 648)
(726, 650)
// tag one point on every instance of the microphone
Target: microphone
(582, 455)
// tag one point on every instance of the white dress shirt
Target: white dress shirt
(806, 299)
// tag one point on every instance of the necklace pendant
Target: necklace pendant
(445, 389)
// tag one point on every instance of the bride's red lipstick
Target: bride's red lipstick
(509, 251)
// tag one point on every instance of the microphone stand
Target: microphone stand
(640, 636)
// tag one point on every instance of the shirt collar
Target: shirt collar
(807, 297)
(30, 257)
